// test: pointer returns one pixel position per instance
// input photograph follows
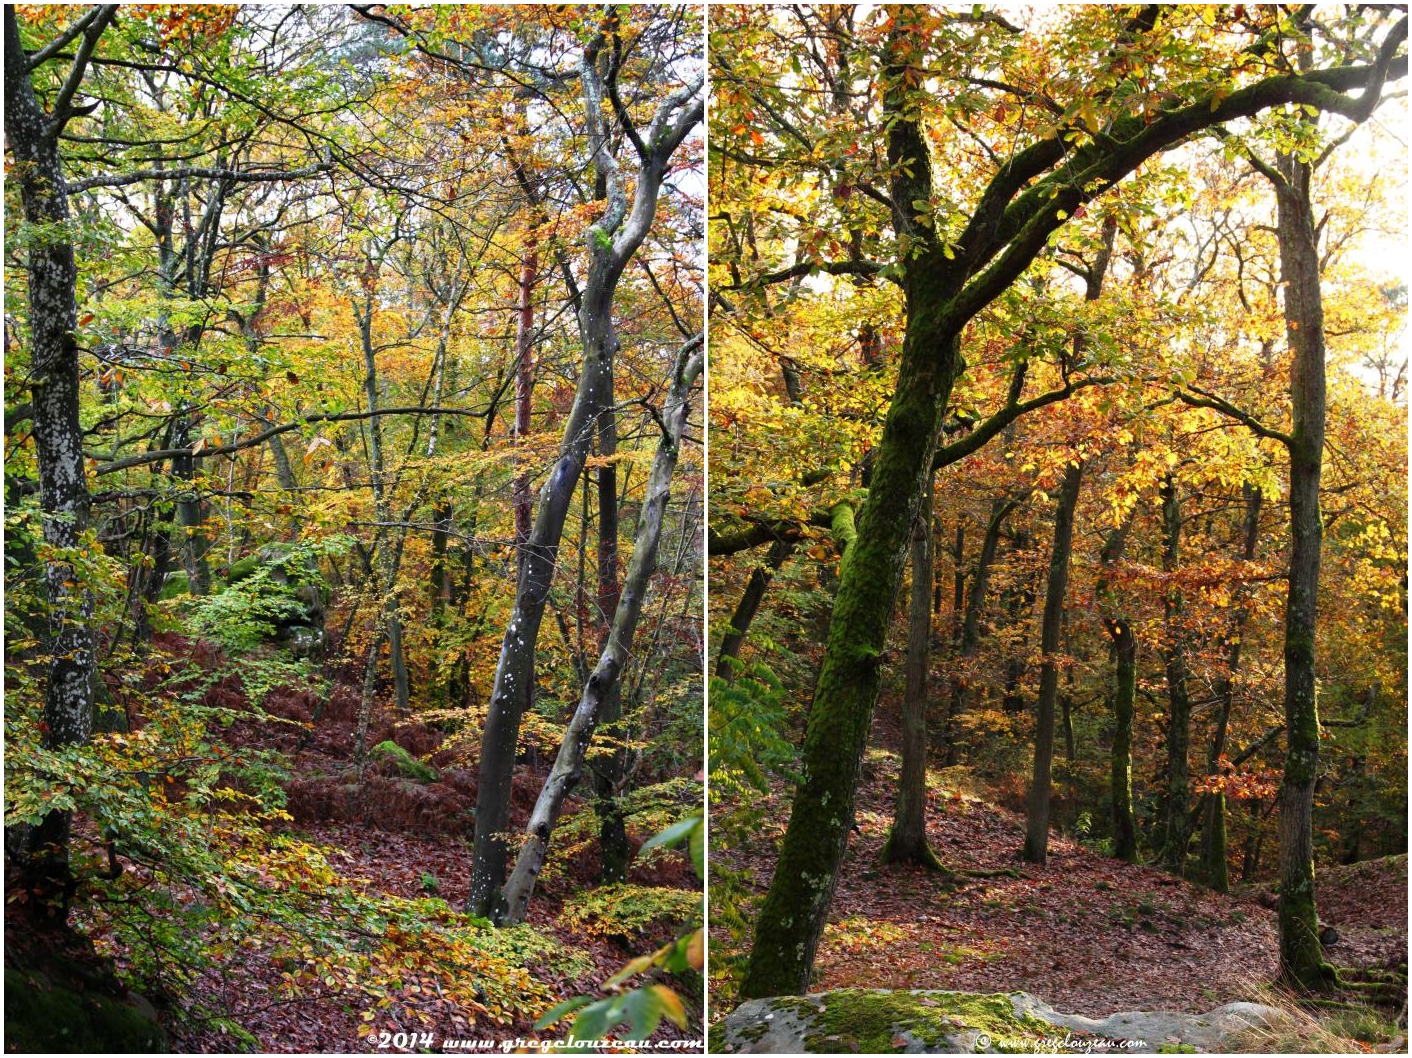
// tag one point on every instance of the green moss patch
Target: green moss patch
(408, 766)
(866, 1021)
(42, 1017)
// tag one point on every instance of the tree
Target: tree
(907, 841)
(33, 133)
(947, 279)
(1036, 848)
(611, 241)
(602, 683)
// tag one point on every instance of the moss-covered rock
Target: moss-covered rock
(44, 1017)
(408, 766)
(880, 1021)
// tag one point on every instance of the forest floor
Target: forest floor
(390, 835)
(1086, 933)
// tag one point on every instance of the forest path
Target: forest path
(1086, 933)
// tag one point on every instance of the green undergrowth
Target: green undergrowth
(630, 912)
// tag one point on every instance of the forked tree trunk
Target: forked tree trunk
(907, 841)
(1036, 848)
(611, 243)
(568, 765)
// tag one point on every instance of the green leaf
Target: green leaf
(642, 1008)
(564, 1009)
(673, 834)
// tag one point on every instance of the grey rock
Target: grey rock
(850, 1021)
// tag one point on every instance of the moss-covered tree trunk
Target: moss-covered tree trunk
(791, 919)
(1124, 644)
(907, 841)
(1215, 867)
(1036, 848)
(1175, 829)
(1301, 955)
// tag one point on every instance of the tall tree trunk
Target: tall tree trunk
(52, 276)
(1036, 848)
(1302, 962)
(791, 919)
(388, 555)
(568, 765)
(1215, 867)
(1124, 643)
(907, 841)
(610, 773)
(1175, 833)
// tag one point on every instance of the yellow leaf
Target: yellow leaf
(636, 966)
(696, 950)
(671, 1004)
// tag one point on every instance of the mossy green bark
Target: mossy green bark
(1302, 964)
(1124, 708)
(791, 919)
(907, 840)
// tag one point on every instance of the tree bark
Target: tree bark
(1036, 848)
(1302, 962)
(568, 765)
(611, 243)
(1215, 867)
(1175, 833)
(907, 841)
(1124, 642)
(52, 275)
(608, 776)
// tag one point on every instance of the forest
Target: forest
(1057, 540)
(354, 514)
